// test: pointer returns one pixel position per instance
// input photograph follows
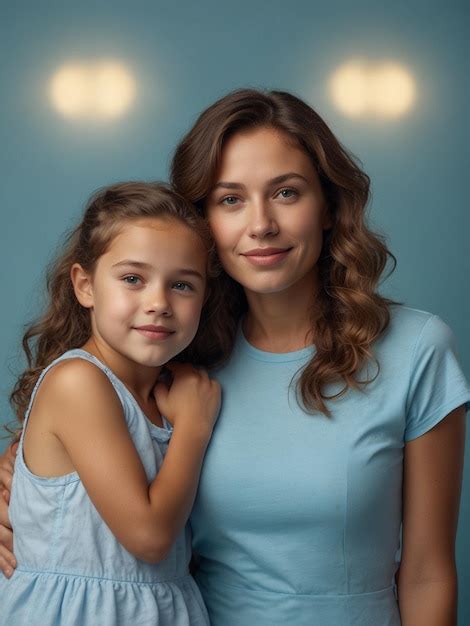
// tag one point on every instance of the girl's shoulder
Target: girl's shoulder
(74, 380)
(72, 371)
(69, 395)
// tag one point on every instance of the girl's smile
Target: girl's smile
(145, 296)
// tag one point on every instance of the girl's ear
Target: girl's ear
(82, 285)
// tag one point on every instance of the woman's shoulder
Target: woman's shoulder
(409, 328)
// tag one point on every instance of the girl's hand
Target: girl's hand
(7, 559)
(192, 400)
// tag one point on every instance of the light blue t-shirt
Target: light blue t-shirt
(297, 519)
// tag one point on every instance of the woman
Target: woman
(343, 413)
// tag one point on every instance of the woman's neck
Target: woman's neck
(281, 322)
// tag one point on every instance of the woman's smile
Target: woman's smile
(266, 257)
(267, 212)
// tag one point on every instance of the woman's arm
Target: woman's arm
(7, 462)
(85, 414)
(427, 578)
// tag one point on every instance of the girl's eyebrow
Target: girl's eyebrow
(273, 181)
(130, 262)
(187, 271)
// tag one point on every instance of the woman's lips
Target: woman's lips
(266, 257)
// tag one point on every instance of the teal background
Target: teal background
(184, 55)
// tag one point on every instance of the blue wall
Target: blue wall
(186, 54)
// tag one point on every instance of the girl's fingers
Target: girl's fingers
(6, 536)
(7, 562)
(6, 544)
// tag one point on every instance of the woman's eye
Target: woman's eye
(180, 286)
(131, 280)
(229, 200)
(288, 193)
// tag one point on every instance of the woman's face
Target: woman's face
(267, 212)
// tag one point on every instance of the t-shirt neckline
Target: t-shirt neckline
(272, 357)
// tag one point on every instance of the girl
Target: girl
(106, 477)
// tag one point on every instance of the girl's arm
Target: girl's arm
(85, 414)
(427, 578)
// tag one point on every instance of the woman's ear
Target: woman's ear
(82, 285)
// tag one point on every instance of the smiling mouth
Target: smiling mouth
(266, 256)
(157, 333)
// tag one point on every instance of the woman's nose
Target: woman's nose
(262, 220)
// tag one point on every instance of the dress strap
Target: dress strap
(76, 353)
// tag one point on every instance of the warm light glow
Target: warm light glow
(69, 90)
(100, 89)
(383, 89)
(114, 89)
(349, 88)
(392, 90)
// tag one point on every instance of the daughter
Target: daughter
(105, 483)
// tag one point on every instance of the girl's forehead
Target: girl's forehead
(157, 241)
(146, 229)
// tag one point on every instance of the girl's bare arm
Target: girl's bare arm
(86, 416)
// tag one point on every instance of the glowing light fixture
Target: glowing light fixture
(99, 89)
(69, 90)
(385, 89)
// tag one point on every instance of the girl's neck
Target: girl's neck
(139, 379)
(281, 322)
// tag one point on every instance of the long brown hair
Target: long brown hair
(65, 324)
(350, 314)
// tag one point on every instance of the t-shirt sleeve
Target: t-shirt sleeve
(437, 383)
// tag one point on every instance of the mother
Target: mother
(343, 413)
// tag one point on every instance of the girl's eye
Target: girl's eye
(229, 200)
(180, 286)
(288, 193)
(131, 280)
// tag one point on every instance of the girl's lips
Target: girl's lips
(158, 334)
(266, 258)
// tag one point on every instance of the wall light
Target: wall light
(104, 89)
(359, 88)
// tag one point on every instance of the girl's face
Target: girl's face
(147, 291)
(267, 212)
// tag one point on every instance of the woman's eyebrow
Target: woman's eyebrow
(282, 179)
(273, 181)
(225, 185)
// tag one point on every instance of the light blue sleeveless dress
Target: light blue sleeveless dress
(72, 571)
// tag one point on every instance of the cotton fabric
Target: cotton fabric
(72, 571)
(298, 516)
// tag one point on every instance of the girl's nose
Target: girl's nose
(159, 303)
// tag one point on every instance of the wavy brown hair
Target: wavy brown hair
(65, 324)
(349, 314)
